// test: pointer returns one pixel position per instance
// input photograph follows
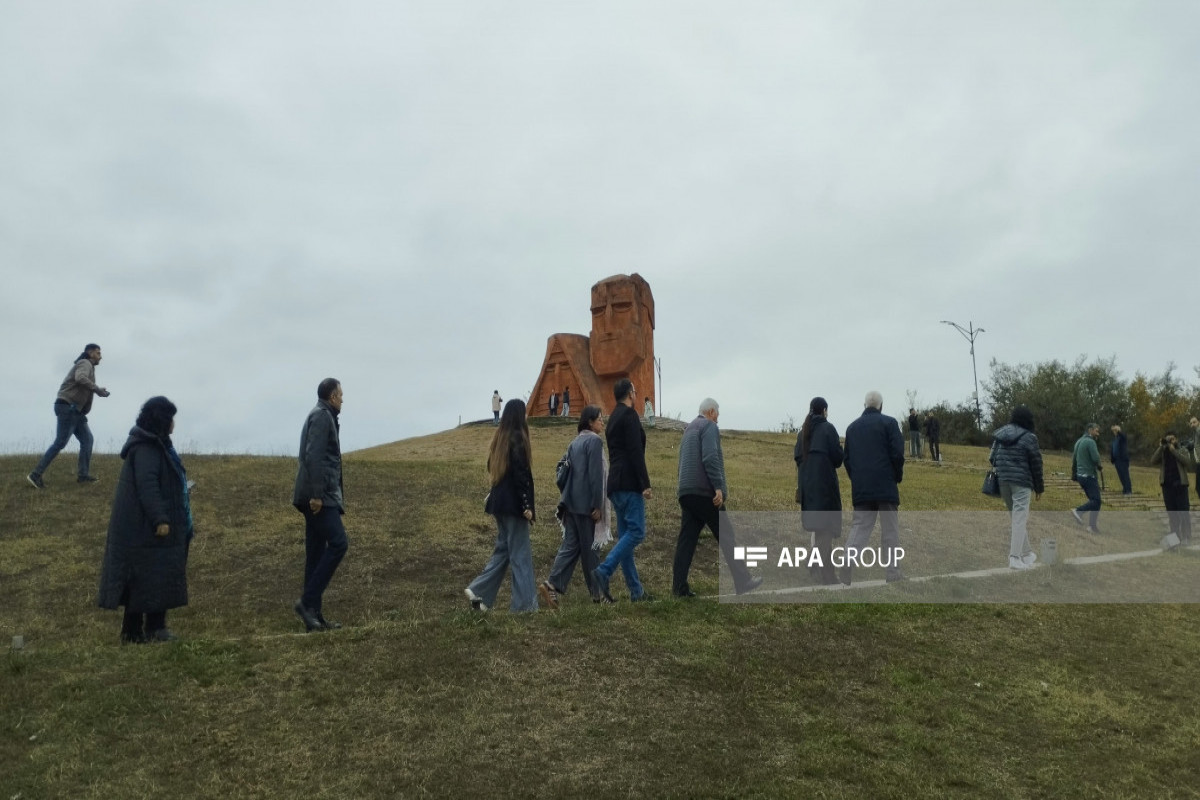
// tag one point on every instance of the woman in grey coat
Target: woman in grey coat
(584, 510)
(149, 531)
(1018, 463)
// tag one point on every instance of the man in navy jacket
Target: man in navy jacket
(875, 464)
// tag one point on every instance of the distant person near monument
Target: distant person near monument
(71, 407)
(875, 465)
(497, 404)
(149, 530)
(1017, 460)
(318, 496)
(1119, 456)
(933, 434)
(554, 404)
(510, 470)
(648, 412)
(583, 508)
(628, 489)
(566, 401)
(914, 434)
(1085, 470)
(1174, 462)
(702, 492)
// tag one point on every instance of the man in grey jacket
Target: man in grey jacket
(1085, 468)
(318, 496)
(72, 405)
(702, 492)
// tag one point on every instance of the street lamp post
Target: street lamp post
(969, 333)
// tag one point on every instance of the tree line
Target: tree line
(1065, 397)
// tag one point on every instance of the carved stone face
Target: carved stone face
(622, 326)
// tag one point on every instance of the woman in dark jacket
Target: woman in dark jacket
(818, 454)
(150, 529)
(511, 503)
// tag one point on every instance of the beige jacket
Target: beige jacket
(79, 387)
(1186, 464)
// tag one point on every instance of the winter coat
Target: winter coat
(79, 387)
(933, 428)
(584, 491)
(1017, 458)
(319, 475)
(143, 571)
(513, 495)
(1183, 460)
(817, 491)
(874, 458)
(626, 452)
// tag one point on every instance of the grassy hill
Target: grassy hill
(419, 697)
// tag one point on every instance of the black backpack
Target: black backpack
(562, 472)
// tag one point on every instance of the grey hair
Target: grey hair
(1091, 425)
(708, 404)
(873, 400)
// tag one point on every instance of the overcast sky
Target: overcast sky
(238, 199)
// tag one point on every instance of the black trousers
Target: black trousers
(135, 624)
(1175, 498)
(697, 513)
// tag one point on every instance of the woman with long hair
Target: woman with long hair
(818, 454)
(584, 510)
(1018, 463)
(511, 503)
(150, 529)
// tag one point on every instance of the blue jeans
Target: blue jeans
(631, 530)
(1091, 487)
(325, 544)
(70, 422)
(512, 549)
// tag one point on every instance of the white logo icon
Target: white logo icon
(751, 555)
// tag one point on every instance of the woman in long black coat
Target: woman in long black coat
(818, 454)
(145, 557)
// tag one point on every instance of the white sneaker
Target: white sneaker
(476, 602)
(1016, 563)
(1029, 558)
(1078, 518)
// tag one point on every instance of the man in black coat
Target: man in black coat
(875, 465)
(1119, 456)
(318, 496)
(628, 489)
(933, 433)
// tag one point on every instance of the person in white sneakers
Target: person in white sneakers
(1018, 463)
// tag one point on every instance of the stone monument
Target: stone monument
(621, 345)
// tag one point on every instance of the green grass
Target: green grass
(418, 697)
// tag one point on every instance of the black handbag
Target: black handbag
(991, 484)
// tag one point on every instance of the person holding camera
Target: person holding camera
(1174, 462)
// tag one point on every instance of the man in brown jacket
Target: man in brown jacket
(71, 407)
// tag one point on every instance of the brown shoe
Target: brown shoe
(548, 594)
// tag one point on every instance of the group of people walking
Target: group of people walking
(150, 529)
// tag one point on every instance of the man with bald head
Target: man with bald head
(875, 464)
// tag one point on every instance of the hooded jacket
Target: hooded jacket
(143, 571)
(1017, 458)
